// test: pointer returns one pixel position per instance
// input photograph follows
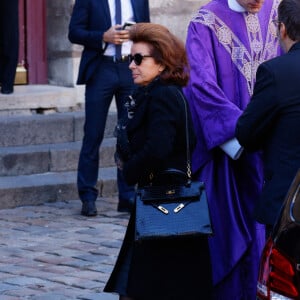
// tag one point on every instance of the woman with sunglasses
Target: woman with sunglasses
(151, 139)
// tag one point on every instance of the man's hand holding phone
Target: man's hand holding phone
(118, 34)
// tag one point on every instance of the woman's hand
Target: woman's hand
(123, 147)
(118, 161)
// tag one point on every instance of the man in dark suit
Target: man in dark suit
(271, 121)
(104, 70)
(9, 44)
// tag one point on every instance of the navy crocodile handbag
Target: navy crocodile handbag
(173, 211)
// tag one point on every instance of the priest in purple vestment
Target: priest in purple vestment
(226, 41)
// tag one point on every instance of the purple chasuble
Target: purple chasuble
(224, 49)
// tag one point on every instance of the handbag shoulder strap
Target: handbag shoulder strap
(188, 158)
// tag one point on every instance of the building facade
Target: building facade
(46, 55)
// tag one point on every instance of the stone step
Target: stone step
(50, 187)
(29, 99)
(47, 129)
(35, 159)
(41, 129)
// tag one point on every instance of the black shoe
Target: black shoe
(125, 205)
(89, 209)
(5, 90)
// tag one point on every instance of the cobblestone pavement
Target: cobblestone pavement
(51, 252)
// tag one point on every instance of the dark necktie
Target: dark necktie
(118, 21)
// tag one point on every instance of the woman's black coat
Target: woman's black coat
(157, 140)
(157, 133)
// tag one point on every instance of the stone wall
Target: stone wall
(174, 14)
(64, 57)
(61, 53)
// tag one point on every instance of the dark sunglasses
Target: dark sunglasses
(137, 58)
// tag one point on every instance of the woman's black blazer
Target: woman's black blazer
(157, 133)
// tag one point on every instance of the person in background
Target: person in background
(271, 120)
(97, 25)
(152, 139)
(9, 44)
(226, 42)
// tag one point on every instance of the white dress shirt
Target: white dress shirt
(127, 15)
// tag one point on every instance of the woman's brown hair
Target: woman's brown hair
(166, 49)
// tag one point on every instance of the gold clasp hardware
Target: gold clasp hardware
(170, 192)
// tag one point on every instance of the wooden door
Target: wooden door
(32, 67)
(21, 75)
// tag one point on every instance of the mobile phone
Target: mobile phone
(127, 24)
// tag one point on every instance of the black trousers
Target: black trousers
(9, 42)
